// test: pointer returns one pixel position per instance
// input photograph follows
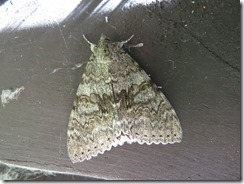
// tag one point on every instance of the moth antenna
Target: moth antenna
(91, 44)
(134, 46)
(87, 40)
(126, 41)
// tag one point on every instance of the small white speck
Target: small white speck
(106, 19)
(192, 11)
(55, 70)
(185, 25)
(78, 65)
(204, 7)
(192, 2)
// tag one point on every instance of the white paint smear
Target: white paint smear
(9, 95)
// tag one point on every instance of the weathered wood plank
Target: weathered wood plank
(192, 70)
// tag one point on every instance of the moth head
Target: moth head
(101, 43)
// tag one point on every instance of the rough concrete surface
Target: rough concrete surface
(191, 49)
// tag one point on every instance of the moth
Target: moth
(116, 102)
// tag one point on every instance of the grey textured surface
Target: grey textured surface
(190, 49)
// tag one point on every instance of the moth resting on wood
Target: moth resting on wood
(116, 102)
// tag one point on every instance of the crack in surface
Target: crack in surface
(181, 24)
(211, 51)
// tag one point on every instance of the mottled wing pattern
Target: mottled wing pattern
(93, 125)
(116, 102)
(147, 115)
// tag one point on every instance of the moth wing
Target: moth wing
(147, 115)
(151, 118)
(93, 126)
